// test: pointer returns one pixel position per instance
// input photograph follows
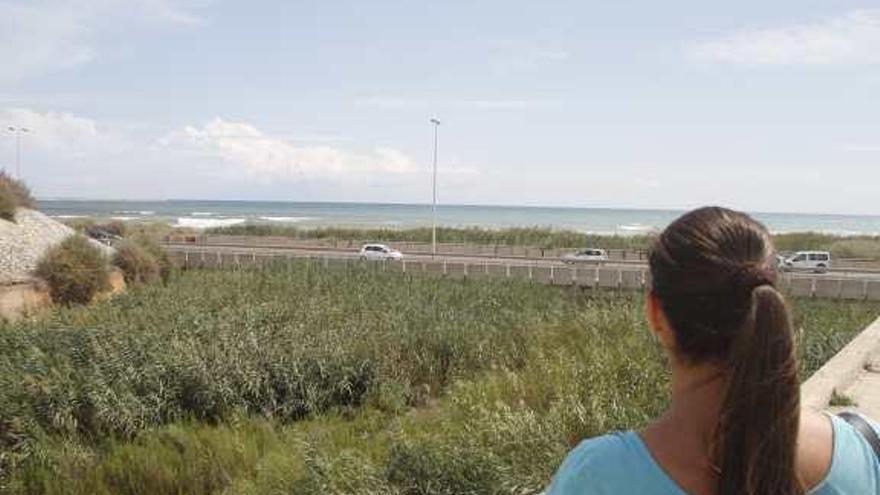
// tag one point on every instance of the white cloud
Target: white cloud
(39, 38)
(402, 103)
(861, 147)
(852, 38)
(263, 156)
(522, 56)
(59, 131)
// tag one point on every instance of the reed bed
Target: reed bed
(293, 378)
(858, 247)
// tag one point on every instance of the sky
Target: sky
(763, 106)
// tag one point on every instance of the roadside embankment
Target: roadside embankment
(848, 376)
(24, 240)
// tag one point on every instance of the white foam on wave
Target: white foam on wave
(202, 213)
(207, 223)
(136, 212)
(69, 216)
(287, 219)
(123, 218)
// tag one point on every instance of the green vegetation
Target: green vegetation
(151, 229)
(137, 265)
(13, 194)
(840, 400)
(861, 247)
(75, 271)
(142, 261)
(858, 247)
(542, 237)
(295, 378)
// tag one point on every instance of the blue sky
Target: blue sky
(762, 106)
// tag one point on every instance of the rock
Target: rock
(25, 241)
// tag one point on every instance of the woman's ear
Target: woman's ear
(658, 322)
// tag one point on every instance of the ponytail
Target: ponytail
(757, 432)
(713, 272)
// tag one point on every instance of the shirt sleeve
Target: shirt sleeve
(588, 469)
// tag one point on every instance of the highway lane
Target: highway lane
(478, 260)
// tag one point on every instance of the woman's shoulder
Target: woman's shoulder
(603, 465)
(854, 467)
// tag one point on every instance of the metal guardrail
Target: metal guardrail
(617, 256)
(460, 249)
(593, 276)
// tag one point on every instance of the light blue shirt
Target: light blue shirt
(620, 463)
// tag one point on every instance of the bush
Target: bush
(138, 265)
(152, 247)
(75, 271)
(865, 248)
(110, 229)
(13, 194)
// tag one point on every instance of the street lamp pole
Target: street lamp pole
(18, 132)
(434, 196)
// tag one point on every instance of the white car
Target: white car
(815, 261)
(591, 255)
(379, 252)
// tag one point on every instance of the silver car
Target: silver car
(589, 255)
(379, 252)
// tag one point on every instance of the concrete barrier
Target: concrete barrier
(841, 370)
(827, 288)
(587, 276)
(609, 278)
(801, 287)
(632, 279)
(854, 289)
(873, 290)
(584, 275)
(564, 275)
(456, 269)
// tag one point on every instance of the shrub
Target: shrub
(13, 194)
(163, 262)
(114, 228)
(138, 265)
(75, 271)
(866, 248)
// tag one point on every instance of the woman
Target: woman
(734, 426)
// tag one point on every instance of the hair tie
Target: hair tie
(750, 275)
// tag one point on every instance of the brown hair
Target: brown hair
(713, 275)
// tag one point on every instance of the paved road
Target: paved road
(342, 253)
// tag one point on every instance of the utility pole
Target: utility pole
(434, 196)
(18, 131)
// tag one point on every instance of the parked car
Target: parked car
(814, 261)
(379, 252)
(590, 255)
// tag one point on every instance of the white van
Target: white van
(814, 261)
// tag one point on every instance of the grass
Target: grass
(14, 194)
(542, 237)
(862, 247)
(298, 379)
(841, 400)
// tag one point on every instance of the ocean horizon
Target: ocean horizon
(202, 214)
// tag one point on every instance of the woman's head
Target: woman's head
(713, 279)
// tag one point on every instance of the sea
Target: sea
(207, 214)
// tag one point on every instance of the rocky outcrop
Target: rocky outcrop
(25, 241)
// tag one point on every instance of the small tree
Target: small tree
(13, 194)
(75, 271)
(152, 246)
(137, 264)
